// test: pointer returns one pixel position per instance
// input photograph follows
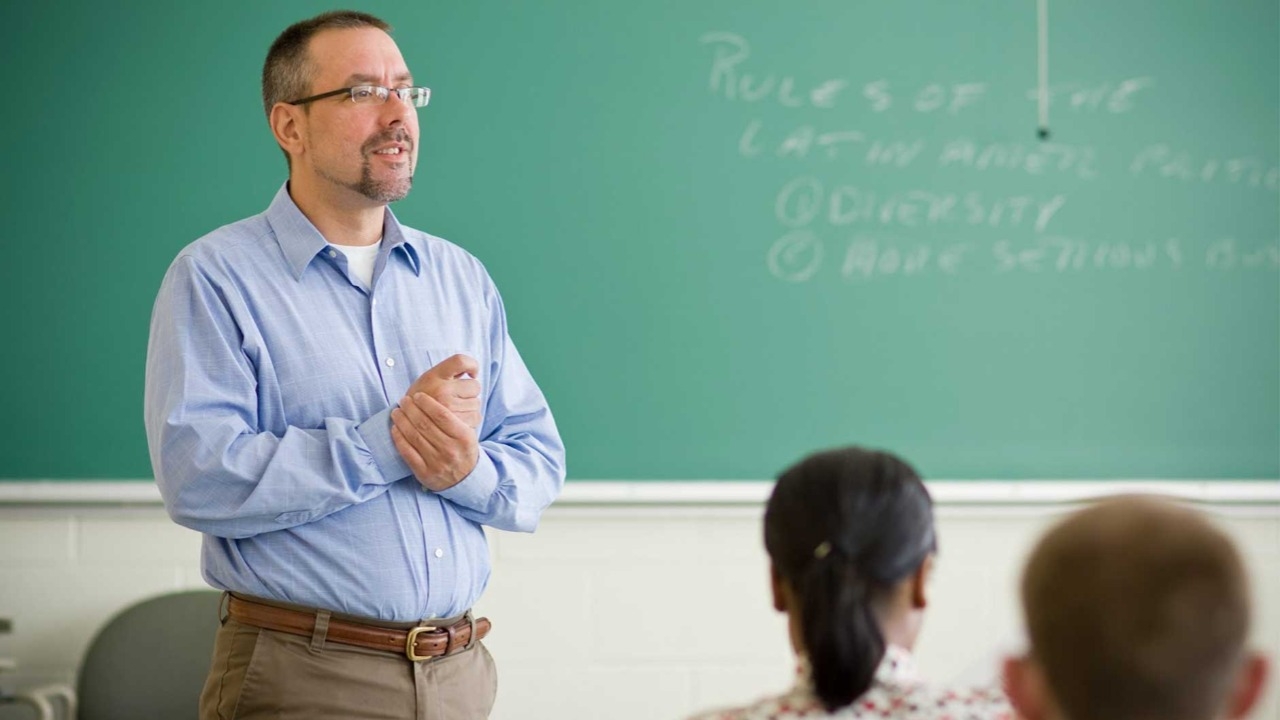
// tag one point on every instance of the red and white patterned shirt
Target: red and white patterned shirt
(896, 692)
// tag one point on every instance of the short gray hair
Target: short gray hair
(286, 75)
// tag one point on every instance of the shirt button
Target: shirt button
(391, 362)
(439, 553)
(333, 253)
(375, 302)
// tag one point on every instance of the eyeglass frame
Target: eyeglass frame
(398, 92)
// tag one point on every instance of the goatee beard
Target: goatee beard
(386, 191)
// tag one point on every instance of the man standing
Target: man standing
(334, 401)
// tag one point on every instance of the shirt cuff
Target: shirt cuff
(474, 490)
(376, 432)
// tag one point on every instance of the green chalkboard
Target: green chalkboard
(727, 232)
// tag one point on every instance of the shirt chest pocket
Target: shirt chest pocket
(424, 356)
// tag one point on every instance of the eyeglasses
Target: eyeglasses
(374, 95)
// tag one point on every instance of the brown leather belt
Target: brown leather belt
(417, 643)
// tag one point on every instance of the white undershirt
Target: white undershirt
(361, 259)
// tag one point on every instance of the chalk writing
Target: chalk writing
(733, 78)
(803, 255)
(805, 199)
(1063, 254)
(729, 80)
(846, 230)
(799, 255)
(868, 257)
(1166, 162)
(1099, 97)
(1229, 254)
(948, 97)
(796, 256)
(1033, 159)
(805, 141)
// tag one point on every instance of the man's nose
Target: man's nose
(397, 110)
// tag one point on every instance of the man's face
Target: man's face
(369, 149)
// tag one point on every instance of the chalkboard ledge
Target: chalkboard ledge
(1264, 492)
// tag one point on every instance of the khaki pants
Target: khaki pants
(258, 674)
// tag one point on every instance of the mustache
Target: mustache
(399, 135)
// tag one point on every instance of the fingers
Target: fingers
(437, 446)
(435, 421)
(411, 456)
(470, 418)
(418, 430)
(453, 383)
(455, 365)
(465, 388)
(443, 390)
(465, 404)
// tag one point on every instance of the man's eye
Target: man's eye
(363, 93)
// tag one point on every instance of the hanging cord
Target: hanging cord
(1042, 7)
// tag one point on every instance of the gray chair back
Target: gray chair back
(150, 660)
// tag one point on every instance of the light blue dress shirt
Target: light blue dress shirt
(271, 374)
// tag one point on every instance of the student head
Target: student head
(1136, 609)
(850, 538)
(343, 148)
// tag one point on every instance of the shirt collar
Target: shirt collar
(301, 242)
(897, 667)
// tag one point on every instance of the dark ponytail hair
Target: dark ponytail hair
(842, 527)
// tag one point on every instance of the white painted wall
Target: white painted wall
(669, 599)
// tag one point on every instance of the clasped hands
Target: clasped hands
(434, 428)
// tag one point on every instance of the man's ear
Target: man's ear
(779, 593)
(920, 584)
(287, 125)
(1025, 687)
(1248, 687)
